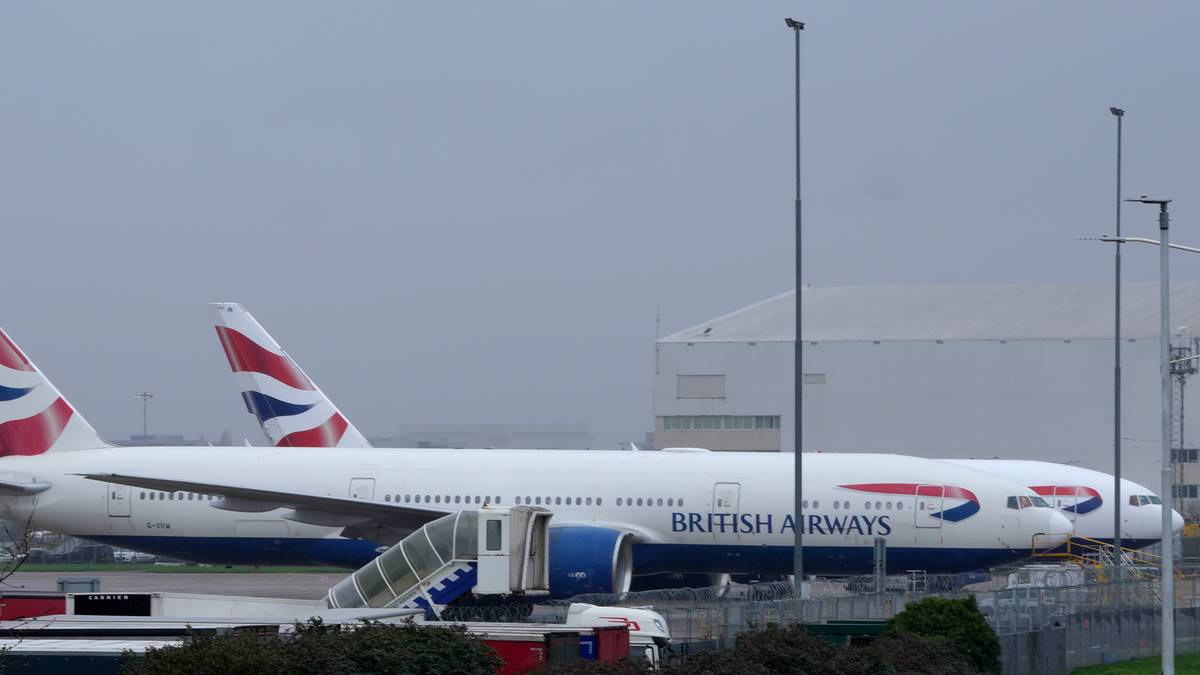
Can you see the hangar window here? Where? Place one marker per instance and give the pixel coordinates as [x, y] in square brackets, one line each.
[699, 386]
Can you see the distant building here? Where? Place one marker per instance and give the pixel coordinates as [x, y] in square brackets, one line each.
[159, 440]
[1011, 371]
[529, 436]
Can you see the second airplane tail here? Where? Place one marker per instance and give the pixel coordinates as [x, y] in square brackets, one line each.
[291, 409]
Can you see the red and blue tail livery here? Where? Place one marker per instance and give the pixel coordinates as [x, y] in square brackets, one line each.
[1077, 499]
[34, 417]
[928, 497]
[292, 411]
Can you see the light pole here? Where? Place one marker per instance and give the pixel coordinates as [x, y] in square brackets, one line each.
[1164, 364]
[798, 444]
[1120, 115]
[145, 396]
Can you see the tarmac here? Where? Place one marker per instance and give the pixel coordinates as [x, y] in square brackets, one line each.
[257, 584]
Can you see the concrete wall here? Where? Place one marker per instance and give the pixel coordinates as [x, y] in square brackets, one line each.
[1017, 399]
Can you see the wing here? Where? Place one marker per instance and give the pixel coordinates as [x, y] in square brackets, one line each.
[383, 522]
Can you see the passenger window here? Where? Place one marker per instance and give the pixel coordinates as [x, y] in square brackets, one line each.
[680, 502]
[557, 501]
[618, 501]
[888, 506]
[387, 498]
[589, 501]
[599, 501]
[639, 501]
[537, 500]
[660, 502]
[670, 501]
[578, 501]
[142, 495]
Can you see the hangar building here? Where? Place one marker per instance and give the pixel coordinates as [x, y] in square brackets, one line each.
[1010, 371]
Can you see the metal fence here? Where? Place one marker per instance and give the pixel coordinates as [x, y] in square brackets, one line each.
[1041, 629]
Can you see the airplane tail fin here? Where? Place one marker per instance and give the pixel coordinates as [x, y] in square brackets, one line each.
[293, 412]
[34, 416]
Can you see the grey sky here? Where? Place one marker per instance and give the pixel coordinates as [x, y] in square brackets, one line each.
[469, 212]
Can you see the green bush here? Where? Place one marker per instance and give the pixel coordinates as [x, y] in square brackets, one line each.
[900, 652]
[957, 621]
[406, 649]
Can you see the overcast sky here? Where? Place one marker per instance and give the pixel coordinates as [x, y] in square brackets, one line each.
[469, 212]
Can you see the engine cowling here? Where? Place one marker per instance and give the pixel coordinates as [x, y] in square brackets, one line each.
[588, 559]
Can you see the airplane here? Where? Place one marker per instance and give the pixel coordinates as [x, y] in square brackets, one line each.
[616, 513]
[1086, 498]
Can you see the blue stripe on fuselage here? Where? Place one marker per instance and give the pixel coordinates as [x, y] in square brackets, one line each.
[647, 558]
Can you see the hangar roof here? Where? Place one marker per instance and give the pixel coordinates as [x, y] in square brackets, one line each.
[971, 312]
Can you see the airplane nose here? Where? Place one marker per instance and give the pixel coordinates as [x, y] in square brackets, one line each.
[1056, 527]
[1176, 522]
[1060, 524]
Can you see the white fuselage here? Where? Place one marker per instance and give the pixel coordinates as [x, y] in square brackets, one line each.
[1086, 498]
[688, 511]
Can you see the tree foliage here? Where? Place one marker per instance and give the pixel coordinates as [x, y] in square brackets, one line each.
[957, 621]
[315, 647]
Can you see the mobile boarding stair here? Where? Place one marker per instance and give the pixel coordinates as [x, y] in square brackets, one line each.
[492, 551]
[1100, 558]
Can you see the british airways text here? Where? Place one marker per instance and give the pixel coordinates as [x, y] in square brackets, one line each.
[765, 523]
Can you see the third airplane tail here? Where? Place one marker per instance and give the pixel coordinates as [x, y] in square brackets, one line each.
[34, 416]
[291, 409]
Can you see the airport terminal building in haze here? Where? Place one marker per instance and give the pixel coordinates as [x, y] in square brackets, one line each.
[1008, 371]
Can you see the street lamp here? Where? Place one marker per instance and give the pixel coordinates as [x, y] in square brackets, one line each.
[145, 396]
[1120, 115]
[798, 443]
[1164, 364]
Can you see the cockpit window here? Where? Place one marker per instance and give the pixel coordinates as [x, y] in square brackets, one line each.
[1025, 502]
[1143, 500]
[1155, 500]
